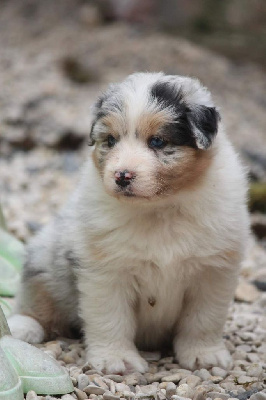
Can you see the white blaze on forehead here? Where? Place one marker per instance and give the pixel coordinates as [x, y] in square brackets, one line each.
[137, 98]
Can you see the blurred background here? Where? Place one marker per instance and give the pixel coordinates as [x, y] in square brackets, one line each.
[57, 56]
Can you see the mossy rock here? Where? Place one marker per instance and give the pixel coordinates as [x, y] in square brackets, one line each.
[257, 197]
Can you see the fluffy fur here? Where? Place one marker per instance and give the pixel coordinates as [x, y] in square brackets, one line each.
[147, 250]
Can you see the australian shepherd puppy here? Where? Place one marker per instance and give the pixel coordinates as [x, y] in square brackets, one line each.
[148, 248]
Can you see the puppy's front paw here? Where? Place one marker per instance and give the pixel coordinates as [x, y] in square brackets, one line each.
[202, 356]
[26, 328]
[117, 362]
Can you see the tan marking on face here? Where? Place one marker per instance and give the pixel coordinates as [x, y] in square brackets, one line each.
[149, 124]
[115, 123]
[188, 170]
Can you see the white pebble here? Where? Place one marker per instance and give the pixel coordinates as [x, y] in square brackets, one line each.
[216, 371]
[31, 395]
[83, 381]
[115, 378]
[170, 390]
[217, 395]
[121, 387]
[253, 357]
[191, 380]
[185, 391]
[93, 389]
[246, 379]
[80, 395]
[203, 374]
[110, 396]
[129, 395]
[254, 370]
[258, 396]
[171, 378]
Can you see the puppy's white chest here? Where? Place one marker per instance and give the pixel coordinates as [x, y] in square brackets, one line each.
[162, 241]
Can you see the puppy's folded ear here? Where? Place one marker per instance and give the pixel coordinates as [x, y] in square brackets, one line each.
[204, 125]
[97, 112]
[91, 141]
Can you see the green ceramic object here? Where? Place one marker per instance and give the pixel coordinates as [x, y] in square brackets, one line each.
[32, 368]
[37, 370]
[10, 383]
[22, 367]
[11, 260]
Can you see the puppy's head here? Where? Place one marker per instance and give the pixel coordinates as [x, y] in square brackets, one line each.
[153, 135]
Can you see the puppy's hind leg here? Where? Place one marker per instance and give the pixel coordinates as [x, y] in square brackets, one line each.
[26, 328]
[35, 310]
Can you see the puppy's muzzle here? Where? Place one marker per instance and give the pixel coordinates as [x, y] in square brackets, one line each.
[123, 178]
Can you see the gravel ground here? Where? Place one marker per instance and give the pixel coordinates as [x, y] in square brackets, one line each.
[52, 67]
[244, 336]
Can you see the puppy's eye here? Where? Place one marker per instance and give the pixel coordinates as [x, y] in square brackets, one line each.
[111, 141]
[156, 142]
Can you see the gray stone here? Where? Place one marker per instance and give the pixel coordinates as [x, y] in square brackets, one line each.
[247, 336]
[253, 357]
[254, 370]
[55, 348]
[246, 292]
[242, 380]
[132, 379]
[121, 387]
[176, 397]
[228, 386]
[145, 396]
[192, 381]
[171, 378]
[129, 395]
[93, 389]
[185, 391]
[262, 348]
[115, 378]
[258, 396]
[31, 395]
[170, 390]
[82, 381]
[239, 355]
[216, 371]
[218, 395]
[216, 379]
[99, 382]
[246, 394]
[203, 374]
[184, 372]
[110, 396]
[80, 395]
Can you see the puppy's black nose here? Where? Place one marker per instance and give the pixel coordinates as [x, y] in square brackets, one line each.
[123, 178]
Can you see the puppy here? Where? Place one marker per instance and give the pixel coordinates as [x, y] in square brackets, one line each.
[147, 250]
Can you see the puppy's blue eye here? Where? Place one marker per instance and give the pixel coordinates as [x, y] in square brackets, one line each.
[156, 142]
[111, 141]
